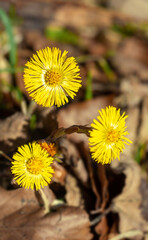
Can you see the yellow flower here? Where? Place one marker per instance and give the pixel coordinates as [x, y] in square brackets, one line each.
[107, 138]
[31, 166]
[50, 77]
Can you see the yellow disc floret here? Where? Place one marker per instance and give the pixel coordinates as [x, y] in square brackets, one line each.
[113, 136]
[52, 78]
[34, 166]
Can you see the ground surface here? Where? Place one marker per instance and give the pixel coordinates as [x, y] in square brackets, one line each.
[87, 200]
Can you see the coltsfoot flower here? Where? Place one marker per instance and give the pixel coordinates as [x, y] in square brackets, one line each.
[49, 147]
[31, 166]
[50, 77]
[107, 138]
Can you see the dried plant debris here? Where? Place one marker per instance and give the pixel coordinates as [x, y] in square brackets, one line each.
[73, 192]
[82, 112]
[73, 160]
[143, 132]
[133, 91]
[60, 173]
[13, 132]
[102, 229]
[26, 220]
[14, 200]
[128, 204]
[47, 121]
[50, 197]
[86, 200]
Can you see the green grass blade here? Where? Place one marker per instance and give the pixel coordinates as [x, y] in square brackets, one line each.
[12, 70]
[8, 26]
[61, 35]
[107, 69]
[88, 93]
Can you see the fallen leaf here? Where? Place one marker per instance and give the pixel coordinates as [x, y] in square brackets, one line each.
[128, 204]
[60, 173]
[5, 78]
[129, 67]
[73, 160]
[84, 17]
[13, 200]
[13, 132]
[143, 131]
[82, 113]
[47, 119]
[127, 46]
[132, 123]
[73, 192]
[22, 218]
[102, 177]
[91, 173]
[102, 228]
[140, 9]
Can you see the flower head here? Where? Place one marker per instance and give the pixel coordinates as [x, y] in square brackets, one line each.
[31, 166]
[49, 147]
[107, 138]
[50, 77]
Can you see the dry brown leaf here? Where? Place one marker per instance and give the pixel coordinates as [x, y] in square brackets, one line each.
[127, 46]
[129, 67]
[5, 77]
[113, 231]
[101, 174]
[102, 228]
[132, 63]
[140, 9]
[22, 218]
[91, 175]
[73, 159]
[82, 113]
[75, 14]
[133, 235]
[47, 119]
[131, 203]
[132, 123]
[83, 17]
[73, 195]
[31, 36]
[13, 132]
[13, 200]
[131, 92]
[60, 173]
[128, 204]
[143, 132]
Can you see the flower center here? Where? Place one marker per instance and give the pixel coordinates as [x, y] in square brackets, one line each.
[34, 166]
[52, 78]
[112, 136]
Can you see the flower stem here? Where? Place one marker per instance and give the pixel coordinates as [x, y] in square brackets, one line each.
[5, 156]
[45, 201]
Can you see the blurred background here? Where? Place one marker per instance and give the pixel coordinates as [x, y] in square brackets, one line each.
[109, 39]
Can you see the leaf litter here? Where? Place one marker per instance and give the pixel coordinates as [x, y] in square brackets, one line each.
[86, 200]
